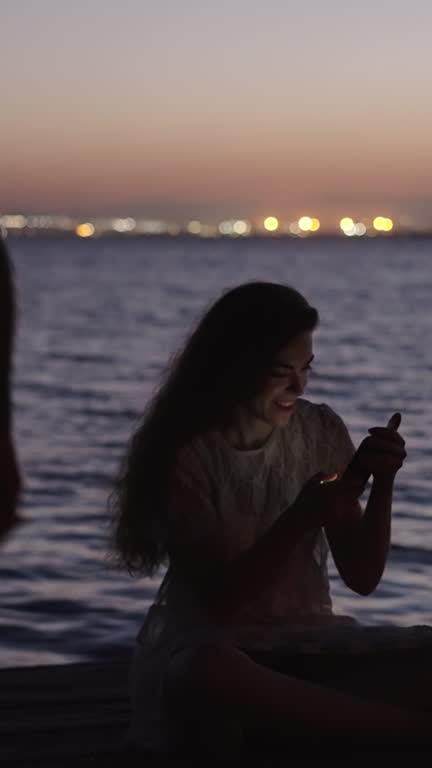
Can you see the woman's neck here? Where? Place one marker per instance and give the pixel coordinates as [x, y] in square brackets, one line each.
[246, 432]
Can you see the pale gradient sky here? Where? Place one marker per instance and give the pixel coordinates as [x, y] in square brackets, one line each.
[186, 107]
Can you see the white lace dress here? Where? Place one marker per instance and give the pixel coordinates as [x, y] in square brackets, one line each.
[242, 493]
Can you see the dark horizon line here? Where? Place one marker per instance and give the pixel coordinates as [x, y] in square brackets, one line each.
[62, 235]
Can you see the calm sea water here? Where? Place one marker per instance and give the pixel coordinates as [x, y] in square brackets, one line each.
[97, 321]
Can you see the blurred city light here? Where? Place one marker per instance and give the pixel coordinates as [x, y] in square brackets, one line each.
[22, 224]
[13, 221]
[194, 227]
[241, 227]
[352, 229]
[85, 230]
[151, 227]
[307, 224]
[382, 224]
[271, 224]
[173, 230]
[226, 228]
[347, 226]
[124, 225]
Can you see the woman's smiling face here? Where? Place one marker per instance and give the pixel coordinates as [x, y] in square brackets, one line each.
[286, 382]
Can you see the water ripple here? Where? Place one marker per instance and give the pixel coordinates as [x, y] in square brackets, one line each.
[98, 320]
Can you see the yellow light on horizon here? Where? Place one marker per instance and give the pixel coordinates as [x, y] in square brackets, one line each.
[382, 224]
[271, 224]
[378, 223]
[346, 224]
[85, 230]
[316, 224]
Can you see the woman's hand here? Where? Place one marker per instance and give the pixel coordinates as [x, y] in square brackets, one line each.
[381, 455]
[325, 498]
[315, 500]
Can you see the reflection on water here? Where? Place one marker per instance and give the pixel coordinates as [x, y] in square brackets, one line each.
[98, 321]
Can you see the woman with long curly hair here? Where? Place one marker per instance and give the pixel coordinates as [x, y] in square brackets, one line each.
[239, 486]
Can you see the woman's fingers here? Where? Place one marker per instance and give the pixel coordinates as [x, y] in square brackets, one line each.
[385, 459]
[394, 421]
[382, 452]
[387, 434]
[378, 455]
[390, 431]
[327, 478]
[378, 443]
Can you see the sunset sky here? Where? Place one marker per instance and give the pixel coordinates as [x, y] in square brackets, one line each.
[189, 108]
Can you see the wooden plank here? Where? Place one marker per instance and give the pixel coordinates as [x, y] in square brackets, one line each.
[72, 714]
[77, 714]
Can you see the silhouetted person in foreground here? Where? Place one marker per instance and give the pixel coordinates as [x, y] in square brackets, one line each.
[9, 472]
[237, 483]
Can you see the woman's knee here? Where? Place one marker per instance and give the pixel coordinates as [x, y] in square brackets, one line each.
[190, 700]
[194, 672]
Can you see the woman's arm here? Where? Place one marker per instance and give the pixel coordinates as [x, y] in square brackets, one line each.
[359, 541]
[226, 585]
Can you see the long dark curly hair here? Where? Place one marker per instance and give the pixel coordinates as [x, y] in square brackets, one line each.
[225, 362]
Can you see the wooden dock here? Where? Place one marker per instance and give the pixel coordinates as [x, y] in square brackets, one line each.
[63, 716]
[77, 714]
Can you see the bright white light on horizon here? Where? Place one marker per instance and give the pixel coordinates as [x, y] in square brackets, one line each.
[347, 226]
[307, 224]
[13, 221]
[241, 227]
[234, 227]
[194, 227]
[123, 225]
[352, 229]
[271, 224]
[226, 228]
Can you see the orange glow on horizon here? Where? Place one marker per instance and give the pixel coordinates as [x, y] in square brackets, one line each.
[85, 230]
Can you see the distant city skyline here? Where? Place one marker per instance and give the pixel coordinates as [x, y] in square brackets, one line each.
[305, 226]
[211, 111]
